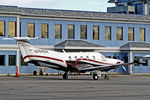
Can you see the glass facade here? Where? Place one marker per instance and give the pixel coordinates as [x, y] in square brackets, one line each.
[12, 29]
[58, 31]
[119, 33]
[70, 31]
[142, 34]
[131, 34]
[83, 31]
[31, 30]
[95, 32]
[2, 28]
[107, 33]
[44, 31]
[12, 60]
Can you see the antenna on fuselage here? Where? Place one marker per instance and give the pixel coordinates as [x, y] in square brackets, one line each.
[63, 51]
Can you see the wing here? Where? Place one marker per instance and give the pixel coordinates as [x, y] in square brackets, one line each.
[102, 68]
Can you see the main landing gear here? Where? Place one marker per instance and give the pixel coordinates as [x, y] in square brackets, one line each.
[97, 75]
[65, 75]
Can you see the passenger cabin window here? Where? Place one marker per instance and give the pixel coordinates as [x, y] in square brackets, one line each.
[93, 57]
[69, 57]
[81, 57]
[87, 57]
[75, 57]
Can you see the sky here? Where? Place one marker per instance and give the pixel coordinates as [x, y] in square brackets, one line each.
[84, 5]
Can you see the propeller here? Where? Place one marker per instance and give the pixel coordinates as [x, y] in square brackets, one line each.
[123, 58]
[124, 69]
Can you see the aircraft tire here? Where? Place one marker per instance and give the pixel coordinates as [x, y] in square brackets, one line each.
[95, 77]
[65, 76]
[106, 77]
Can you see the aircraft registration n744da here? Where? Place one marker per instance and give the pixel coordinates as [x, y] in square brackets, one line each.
[67, 61]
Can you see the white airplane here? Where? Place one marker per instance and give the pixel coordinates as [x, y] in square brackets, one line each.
[68, 62]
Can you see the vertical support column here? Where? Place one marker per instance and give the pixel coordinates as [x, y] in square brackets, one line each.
[145, 9]
[18, 50]
[130, 60]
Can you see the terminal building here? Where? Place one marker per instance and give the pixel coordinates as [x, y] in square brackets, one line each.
[115, 35]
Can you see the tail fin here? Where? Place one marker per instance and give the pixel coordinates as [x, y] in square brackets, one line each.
[25, 47]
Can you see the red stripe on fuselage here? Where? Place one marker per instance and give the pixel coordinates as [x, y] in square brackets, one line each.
[96, 61]
[43, 57]
[76, 62]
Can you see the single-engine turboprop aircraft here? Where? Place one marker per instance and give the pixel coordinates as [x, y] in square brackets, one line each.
[68, 62]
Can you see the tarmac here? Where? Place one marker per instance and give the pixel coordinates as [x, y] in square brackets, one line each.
[118, 87]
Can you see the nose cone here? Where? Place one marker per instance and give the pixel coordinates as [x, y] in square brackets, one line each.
[119, 62]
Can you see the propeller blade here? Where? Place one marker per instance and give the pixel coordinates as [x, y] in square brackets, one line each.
[124, 68]
[115, 70]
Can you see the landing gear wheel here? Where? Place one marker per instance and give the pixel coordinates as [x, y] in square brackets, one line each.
[106, 77]
[95, 77]
[65, 76]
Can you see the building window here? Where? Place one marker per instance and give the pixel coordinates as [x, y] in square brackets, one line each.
[12, 60]
[58, 31]
[22, 62]
[95, 32]
[119, 33]
[12, 29]
[2, 28]
[145, 62]
[138, 58]
[31, 30]
[70, 31]
[2, 60]
[131, 34]
[44, 31]
[142, 34]
[83, 31]
[107, 33]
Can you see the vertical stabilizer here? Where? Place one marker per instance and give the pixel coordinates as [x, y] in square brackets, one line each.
[25, 47]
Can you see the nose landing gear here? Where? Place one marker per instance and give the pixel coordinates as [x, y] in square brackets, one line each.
[65, 75]
[97, 75]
